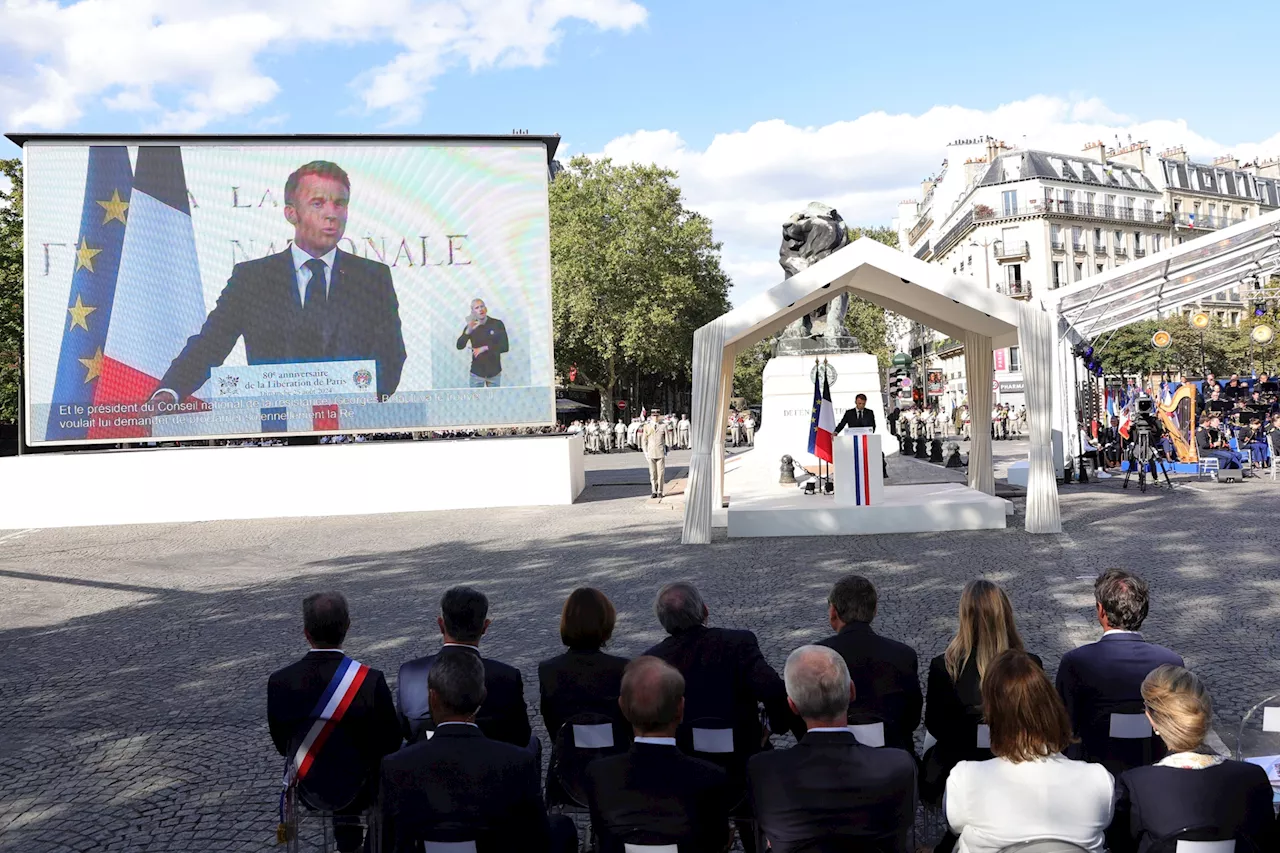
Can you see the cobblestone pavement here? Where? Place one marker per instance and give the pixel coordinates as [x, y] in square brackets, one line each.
[136, 658]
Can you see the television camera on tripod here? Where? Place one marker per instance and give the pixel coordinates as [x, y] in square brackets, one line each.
[1146, 431]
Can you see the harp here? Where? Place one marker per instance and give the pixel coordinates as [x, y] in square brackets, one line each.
[1179, 420]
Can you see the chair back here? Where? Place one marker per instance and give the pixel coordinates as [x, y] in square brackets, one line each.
[582, 739]
[1201, 839]
[1120, 738]
[1045, 845]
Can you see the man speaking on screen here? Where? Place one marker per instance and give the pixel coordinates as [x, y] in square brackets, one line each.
[310, 303]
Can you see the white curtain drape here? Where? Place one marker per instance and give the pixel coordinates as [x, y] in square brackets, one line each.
[706, 433]
[1037, 335]
[979, 368]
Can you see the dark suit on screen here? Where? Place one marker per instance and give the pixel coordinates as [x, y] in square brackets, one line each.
[504, 716]
[656, 794]
[1105, 678]
[580, 681]
[854, 418]
[952, 715]
[831, 793]
[262, 304]
[886, 682]
[462, 786]
[1233, 797]
[346, 767]
[725, 676]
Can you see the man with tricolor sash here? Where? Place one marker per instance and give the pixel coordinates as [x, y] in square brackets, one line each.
[333, 720]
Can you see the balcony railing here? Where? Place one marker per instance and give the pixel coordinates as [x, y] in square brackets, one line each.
[923, 250]
[1139, 253]
[1015, 289]
[1122, 252]
[1053, 207]
[1012, 249]
[1057, 245]
[1078, 248]
[1209, 223]
[954, 234]
[1099, 248]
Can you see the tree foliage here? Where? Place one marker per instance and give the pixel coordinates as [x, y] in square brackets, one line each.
[866, 320]
[1227, 349]
[10, 291]
[748, 372]
[633, 273]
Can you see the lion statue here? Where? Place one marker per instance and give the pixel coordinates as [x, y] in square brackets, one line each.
[808, 237]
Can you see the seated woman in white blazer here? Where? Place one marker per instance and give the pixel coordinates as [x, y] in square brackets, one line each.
[1029, 790]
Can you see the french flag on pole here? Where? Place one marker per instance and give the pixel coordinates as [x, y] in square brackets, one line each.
[822, 423]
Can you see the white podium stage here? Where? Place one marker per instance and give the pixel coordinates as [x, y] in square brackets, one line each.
[147, 486]
[862, 504]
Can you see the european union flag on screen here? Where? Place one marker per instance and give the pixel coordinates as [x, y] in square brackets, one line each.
[107, 188]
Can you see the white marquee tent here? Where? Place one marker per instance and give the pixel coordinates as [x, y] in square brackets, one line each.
[923, 292]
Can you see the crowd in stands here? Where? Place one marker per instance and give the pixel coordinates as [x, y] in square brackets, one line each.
[673, 749]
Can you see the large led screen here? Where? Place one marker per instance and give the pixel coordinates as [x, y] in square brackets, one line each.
[238, 287]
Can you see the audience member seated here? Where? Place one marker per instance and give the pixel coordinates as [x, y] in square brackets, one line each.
[1212, 443]
[884, 671]
[829, 792]
[1101, 683]
[953, 714]
[1192, 786]
[1029, 790]
[726, 676]
[463, 620]
[655, 794]
[461, 786]
[338, 771]
[583, 679]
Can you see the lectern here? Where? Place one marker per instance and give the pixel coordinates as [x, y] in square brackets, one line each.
[859, 469]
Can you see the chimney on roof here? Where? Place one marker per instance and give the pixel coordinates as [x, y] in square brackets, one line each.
[1178, 153]
[993, 149]
[1097, 150]
[1268, 168]
[1133, 154]
[1227, 162]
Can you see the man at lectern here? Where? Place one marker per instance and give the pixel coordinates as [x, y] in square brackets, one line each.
[862, 417]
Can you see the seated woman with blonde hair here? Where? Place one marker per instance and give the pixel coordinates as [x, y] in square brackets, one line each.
[1030, 790]
[1192, 788]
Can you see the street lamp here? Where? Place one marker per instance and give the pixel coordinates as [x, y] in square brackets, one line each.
[1200, 321]
[985, 245]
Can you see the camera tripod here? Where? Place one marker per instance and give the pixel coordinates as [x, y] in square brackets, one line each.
[1143, 457]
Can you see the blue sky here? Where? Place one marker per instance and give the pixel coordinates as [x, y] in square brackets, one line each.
[762, 107]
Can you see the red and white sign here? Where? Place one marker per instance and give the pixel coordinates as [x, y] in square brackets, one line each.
[995, 384]
[1000, 359]
[622, 404]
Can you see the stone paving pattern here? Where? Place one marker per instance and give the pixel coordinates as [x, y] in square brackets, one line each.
[136, 658]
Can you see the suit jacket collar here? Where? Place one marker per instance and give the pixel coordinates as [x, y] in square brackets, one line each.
[845, 738]
[654, 749]
[1130, 637]
[448, 731]
[857, 628]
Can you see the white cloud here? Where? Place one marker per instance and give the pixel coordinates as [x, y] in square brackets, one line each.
[185, 64]
[748, 182]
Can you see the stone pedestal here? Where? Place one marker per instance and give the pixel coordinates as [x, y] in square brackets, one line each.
[788, 401]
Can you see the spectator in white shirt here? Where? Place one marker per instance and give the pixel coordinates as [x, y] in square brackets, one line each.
[1029, 790]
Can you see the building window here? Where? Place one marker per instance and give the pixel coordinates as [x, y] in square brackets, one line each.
[1157, 240]
[1015, 360]
[1235, 318]
[1177, 205]
[1079, 271]
[1119, 240]
[962, 266]
[1101, 268]
[1057, 273]
[1137, 241]
[1010, 202]
[1013, 274]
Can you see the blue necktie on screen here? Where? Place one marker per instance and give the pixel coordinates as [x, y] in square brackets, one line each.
[314, 310]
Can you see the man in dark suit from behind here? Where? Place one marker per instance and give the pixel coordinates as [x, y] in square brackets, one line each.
[312, 302]
[459, 785]
[344, 772]
[655, 794]
[829, 792]
[463, 620]
[884, 671]
[863, 418]
[1104, 678]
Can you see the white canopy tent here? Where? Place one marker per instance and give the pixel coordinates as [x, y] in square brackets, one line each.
[923, 292]
[1087, 311]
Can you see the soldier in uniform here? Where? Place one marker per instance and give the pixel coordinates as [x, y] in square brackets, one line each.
[683, 430]
[606, 436]
[655, 452]
[749, 424]
[620, 435]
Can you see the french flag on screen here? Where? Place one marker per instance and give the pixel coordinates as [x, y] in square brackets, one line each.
[135, 295]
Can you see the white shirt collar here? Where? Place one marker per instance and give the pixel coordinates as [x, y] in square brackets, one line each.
[1118, 631]
[325, 651]
[829, 729]
[475, 649]
[657, 741]
[303, 275]
[456, 723]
